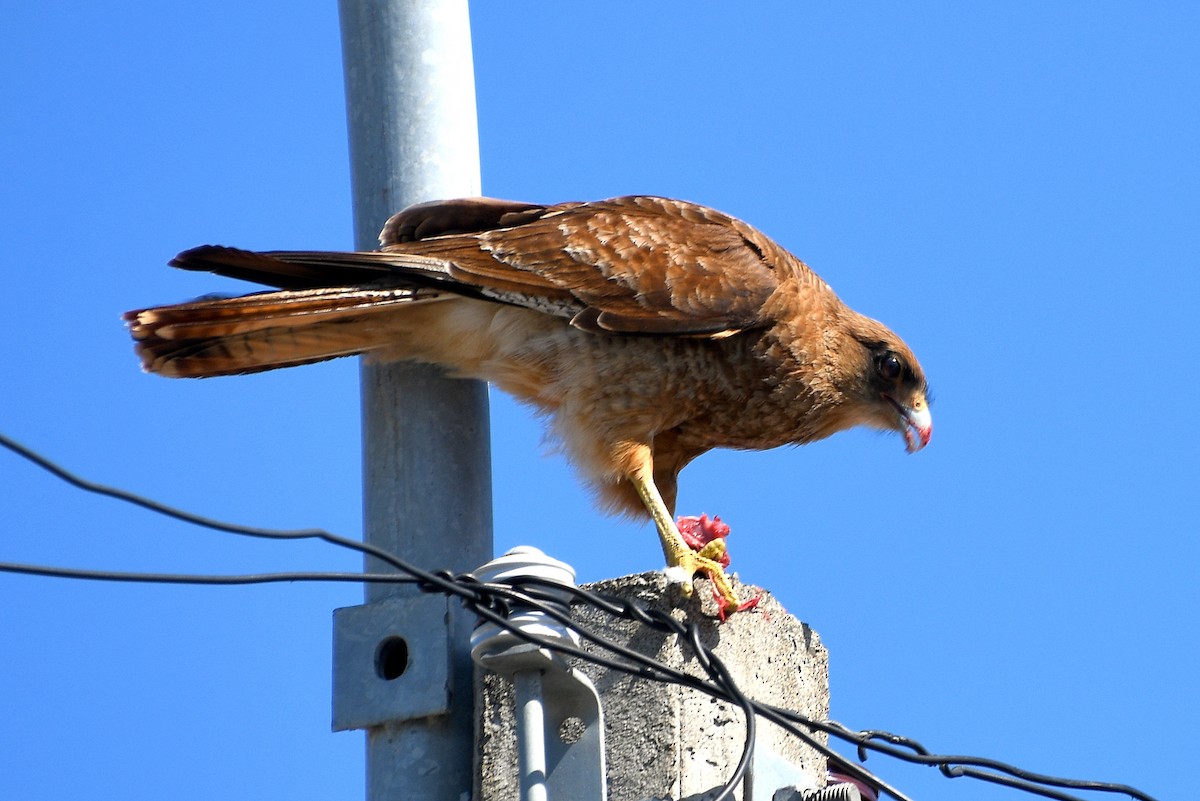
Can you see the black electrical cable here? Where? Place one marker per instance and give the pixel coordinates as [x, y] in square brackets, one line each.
[951, 766]
[184, 578]
[716, 670]
[443, 582]
[652, 669]
[492, 602]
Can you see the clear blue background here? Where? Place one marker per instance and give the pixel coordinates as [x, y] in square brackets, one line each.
[1013, 187]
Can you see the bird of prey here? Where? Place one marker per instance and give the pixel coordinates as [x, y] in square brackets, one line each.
[649, 330]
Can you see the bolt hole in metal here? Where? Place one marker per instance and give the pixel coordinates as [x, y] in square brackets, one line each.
[571, 730]
[391, 658]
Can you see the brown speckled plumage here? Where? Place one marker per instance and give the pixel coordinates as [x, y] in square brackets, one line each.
[650, 330]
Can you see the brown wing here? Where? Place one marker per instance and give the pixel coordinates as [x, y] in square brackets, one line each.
[631, 264]
[639, 265]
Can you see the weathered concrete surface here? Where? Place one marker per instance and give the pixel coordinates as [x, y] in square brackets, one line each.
[669, 742]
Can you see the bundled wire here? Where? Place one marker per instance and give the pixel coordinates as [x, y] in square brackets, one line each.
[493, 602]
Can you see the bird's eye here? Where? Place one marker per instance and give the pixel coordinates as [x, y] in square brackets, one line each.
[890, 367]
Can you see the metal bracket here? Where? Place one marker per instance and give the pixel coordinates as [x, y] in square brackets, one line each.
[560, 725]
[391, 661]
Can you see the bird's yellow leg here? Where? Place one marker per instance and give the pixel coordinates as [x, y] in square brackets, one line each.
[678, 553]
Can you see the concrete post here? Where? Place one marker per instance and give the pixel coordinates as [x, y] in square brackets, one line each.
[668, 742]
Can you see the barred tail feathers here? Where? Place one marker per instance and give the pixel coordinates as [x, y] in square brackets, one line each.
[267, 330]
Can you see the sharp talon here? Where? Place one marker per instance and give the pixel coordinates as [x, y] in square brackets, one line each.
[705, 537]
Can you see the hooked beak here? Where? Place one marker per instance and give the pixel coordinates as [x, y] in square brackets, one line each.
[915, 422]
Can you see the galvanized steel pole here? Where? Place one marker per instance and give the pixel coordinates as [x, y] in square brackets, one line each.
[410, 97]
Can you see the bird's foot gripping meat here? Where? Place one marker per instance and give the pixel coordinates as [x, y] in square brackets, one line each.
[705, 537]
[702, 550]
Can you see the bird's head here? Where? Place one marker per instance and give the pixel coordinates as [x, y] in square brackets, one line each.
[885, 385]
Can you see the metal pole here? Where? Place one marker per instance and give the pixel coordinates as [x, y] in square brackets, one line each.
[410, 98]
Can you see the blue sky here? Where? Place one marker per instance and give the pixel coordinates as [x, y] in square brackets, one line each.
[1014, 188]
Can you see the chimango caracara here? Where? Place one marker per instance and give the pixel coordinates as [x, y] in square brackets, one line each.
[649, 330]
